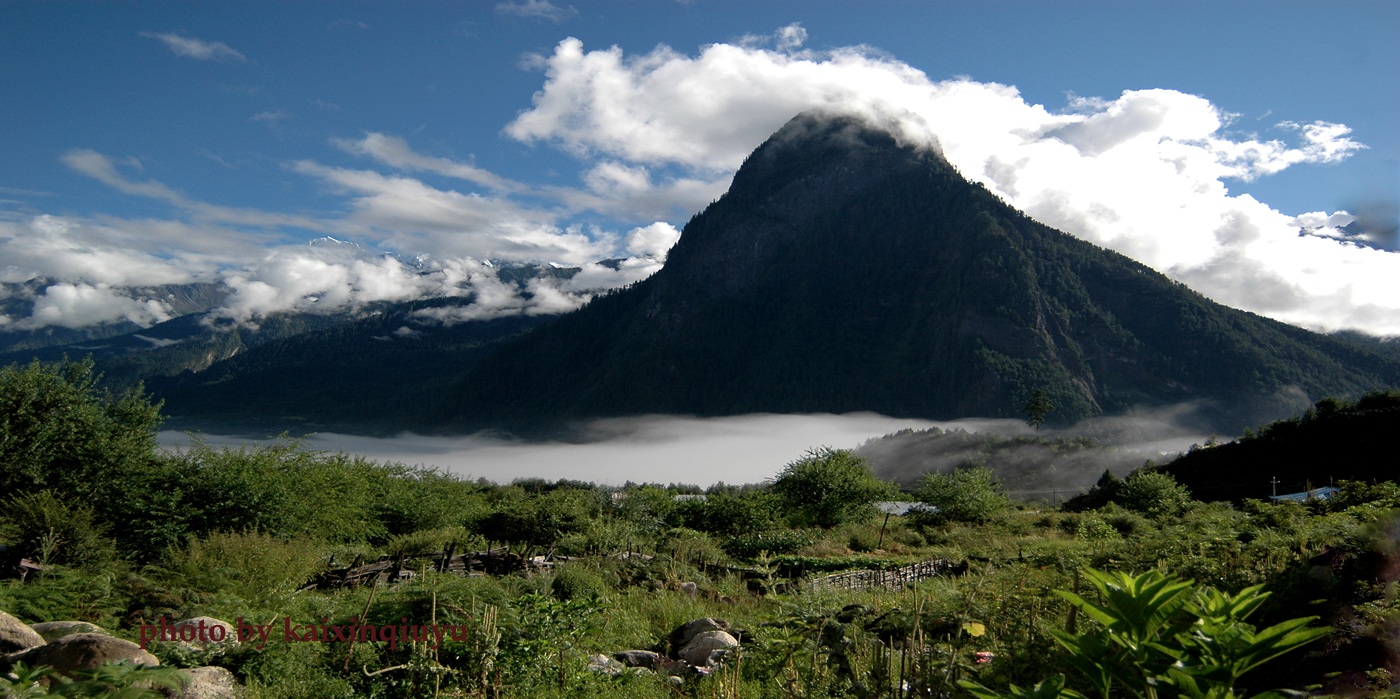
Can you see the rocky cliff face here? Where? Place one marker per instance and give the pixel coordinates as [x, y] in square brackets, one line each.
[844, 271]
[805, 174]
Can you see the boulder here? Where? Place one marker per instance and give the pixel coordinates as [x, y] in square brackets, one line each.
[698, 651]
[16, 636]
[605, 665]
[684, 633]
[676, 668]
[638, 658]
[690, 589]
[718, 657]
[206, 623]
[54, 630]
[83, 651]
[207, 683]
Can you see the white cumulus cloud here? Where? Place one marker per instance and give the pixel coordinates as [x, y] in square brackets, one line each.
[79, 305]
[411, 216]
[1145, 173]
[660, 134]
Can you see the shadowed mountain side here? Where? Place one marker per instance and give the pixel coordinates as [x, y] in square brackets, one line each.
[357, 376]
[1337, 440]
[17, 302]
[378, 368]
[846, 272]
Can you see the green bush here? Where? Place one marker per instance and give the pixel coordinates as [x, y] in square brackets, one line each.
[573, 582]
[542, 520]
[48, 529]
[434, 540]
[648, 508]
[59, 431]
[1127, 523]
[288, 491]
[727, 514]
[1093, 528]
[1105, 491]
[255, 566]
[1154, 494]
[970, 495]
[828, 487]
[774, 542]
[688, 545]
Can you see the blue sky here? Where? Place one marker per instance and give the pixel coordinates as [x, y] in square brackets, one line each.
[149, 143]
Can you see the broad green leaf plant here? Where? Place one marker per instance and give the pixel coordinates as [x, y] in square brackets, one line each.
[1160, 637]
[119, 680]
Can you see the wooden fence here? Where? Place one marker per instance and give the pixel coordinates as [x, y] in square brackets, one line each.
[892, 579]
[501, 561]
[402, 566]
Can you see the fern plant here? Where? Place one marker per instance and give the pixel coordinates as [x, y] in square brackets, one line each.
[1160, 637]
[119, 680]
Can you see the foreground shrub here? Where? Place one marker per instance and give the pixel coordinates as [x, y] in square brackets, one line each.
[970, 495]
[829, 487]
[48, 529]
[775, 542]
[255, 566]
[575, 582]
[1154, 494]
[1161, 634]
[729, 515]
[59, 431]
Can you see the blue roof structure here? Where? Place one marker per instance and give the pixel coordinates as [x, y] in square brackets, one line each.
[1314, 494]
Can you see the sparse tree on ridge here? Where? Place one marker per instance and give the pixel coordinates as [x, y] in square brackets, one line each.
[1037, 408]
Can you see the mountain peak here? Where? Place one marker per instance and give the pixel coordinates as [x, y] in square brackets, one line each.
[846, 270]
[805, 172]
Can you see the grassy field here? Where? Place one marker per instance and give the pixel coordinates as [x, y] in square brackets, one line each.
[128, 537]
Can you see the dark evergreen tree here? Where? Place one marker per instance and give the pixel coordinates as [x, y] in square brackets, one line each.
[1037, 408]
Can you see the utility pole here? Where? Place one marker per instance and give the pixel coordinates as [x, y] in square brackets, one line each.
[1274, 480]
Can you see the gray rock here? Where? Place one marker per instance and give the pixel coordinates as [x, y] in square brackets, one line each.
[675, 668]
[83, 651]
[638, 658]
[207, 683]
[690, 589]
[683, 634]
[229, 635]
[54, 630]
[698, 651]
[605, 665]
[16, 636]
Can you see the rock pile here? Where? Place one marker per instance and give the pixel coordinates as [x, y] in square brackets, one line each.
[696, 648]
[71, 646]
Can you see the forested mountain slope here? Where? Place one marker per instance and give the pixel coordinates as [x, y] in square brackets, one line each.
[844, 271]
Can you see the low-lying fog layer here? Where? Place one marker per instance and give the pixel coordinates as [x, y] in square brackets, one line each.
[670, 449]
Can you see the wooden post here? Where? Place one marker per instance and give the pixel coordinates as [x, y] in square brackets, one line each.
[881, 543]
[447, 557]
[398, 565]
